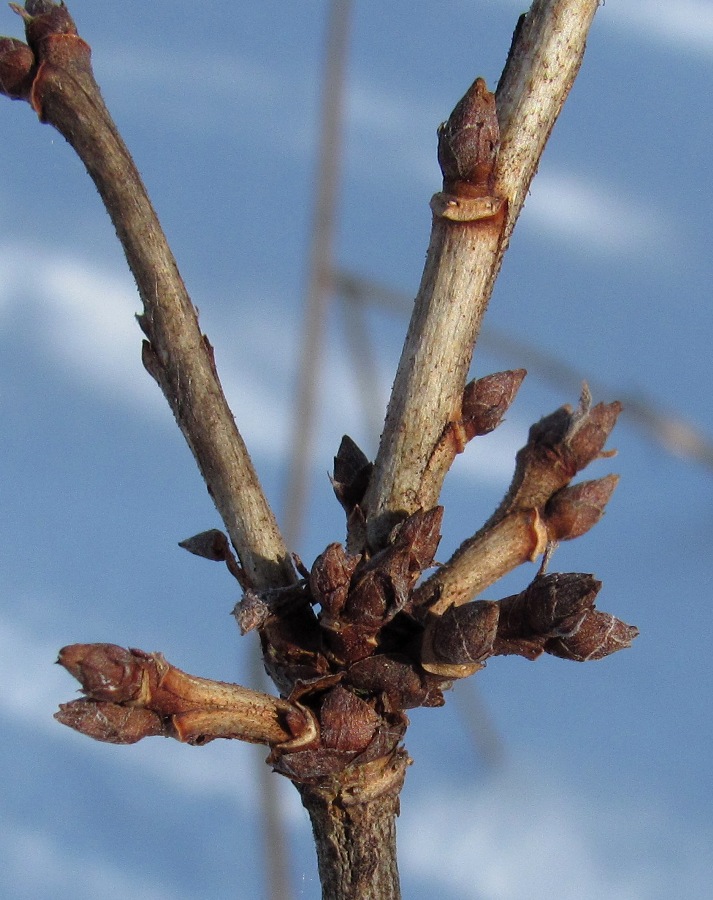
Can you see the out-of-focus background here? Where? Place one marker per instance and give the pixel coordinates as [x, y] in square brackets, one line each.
[537, 779]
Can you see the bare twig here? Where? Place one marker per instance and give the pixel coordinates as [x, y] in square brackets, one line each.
[117, 682]
[463, 261]
[64, 93]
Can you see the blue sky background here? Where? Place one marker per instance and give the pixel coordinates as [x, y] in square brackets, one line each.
[606, 785]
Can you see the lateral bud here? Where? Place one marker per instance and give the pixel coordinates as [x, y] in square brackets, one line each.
[486, 401]
[545, 603]
[457, 643]
[592, 636]
[573, 510]
[352, 471]
[17, 63]
[110, 722]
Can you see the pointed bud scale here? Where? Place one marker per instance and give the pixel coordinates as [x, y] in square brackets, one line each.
[347, 723]
[551, 599]
[419, 535]
[397, 678]
[330, 579]
[212, 544]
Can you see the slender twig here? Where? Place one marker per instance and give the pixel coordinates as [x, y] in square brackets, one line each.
[463, 261]
[118, 683]
[65, 94]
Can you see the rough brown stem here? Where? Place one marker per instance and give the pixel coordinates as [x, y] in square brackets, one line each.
[355, 833]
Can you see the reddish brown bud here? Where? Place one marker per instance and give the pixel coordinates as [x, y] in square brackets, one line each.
[418, 536]
[212, 544]
[572, 511]
[461, 639]
[110, 722]
[468, 142]
[346, 722]
[60, 54]
[105, 671]
[593, 636]
[551, 599]
[558, 446]
[397, 678]
[486, 401]
[17, 63]
[590, 430]
[330, 579]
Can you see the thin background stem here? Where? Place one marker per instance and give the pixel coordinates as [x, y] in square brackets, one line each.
[320, 268]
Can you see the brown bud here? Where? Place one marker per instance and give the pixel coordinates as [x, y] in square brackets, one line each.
[486, 401]
[376, 595]
[589, 432]
[382, 587]
[558, 446]
[419, 535]
[594, 636]
[17, 63]
[352, 471]
[211, 544]
[573, 510]
[552, 599]
[105, 671]
[396, 677]
[347, 723]
[110, 722]
[330, 579]
[468, 142]
[462, 637]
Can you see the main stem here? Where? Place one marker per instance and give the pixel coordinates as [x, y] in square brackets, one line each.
[356, 845]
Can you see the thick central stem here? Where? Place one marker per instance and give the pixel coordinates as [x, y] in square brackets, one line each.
[353, 819]
[356, 845]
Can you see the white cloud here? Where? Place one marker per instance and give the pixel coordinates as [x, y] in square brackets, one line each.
[83, 320]
[682, 24]
[31, 683]
[36, 864]
[592, 218]
[685, 24]
[522, 835]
